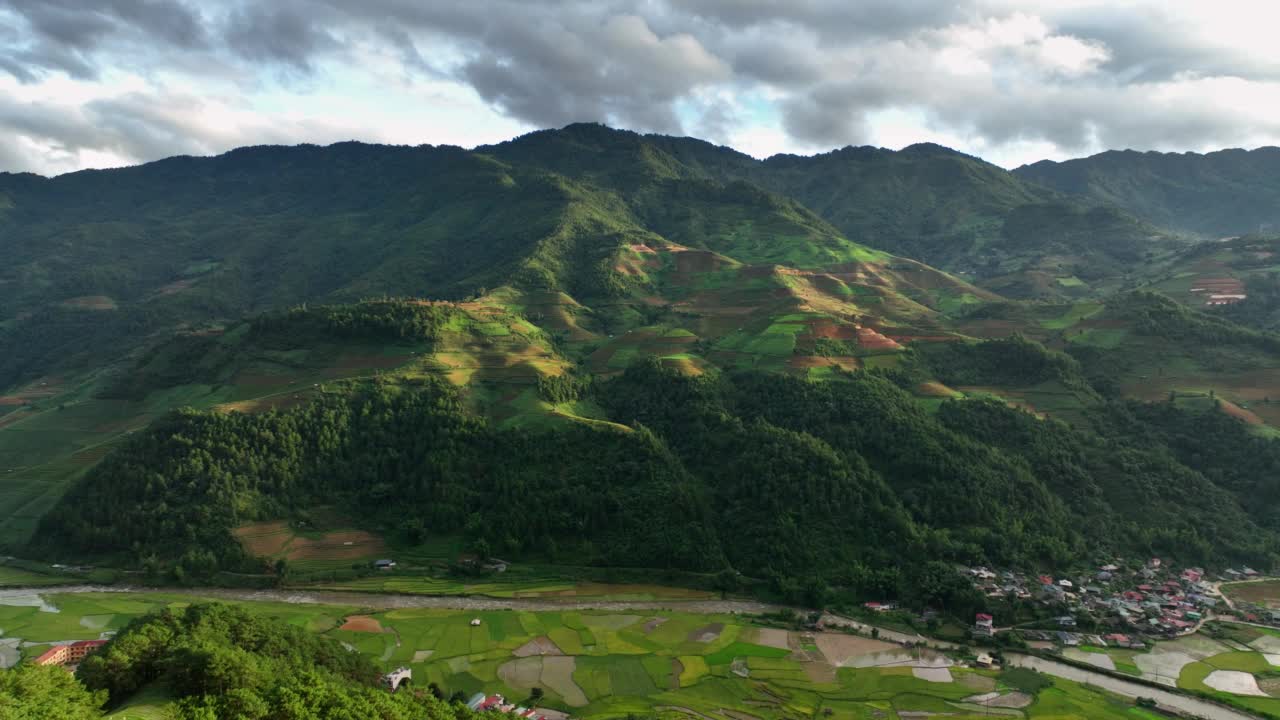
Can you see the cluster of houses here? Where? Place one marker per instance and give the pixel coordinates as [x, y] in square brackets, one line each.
[69, 655]
[481, 702]
[1153, 600]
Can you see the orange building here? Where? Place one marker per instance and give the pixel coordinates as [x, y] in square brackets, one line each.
[69, 654]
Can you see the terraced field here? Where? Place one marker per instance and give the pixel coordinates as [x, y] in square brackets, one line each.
[598, 664]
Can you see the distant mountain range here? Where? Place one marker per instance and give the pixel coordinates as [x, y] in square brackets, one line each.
[1215, 195]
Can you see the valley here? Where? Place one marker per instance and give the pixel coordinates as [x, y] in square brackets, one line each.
[694, 661]
[623, 398]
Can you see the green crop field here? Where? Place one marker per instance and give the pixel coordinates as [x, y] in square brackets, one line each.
[591, 664]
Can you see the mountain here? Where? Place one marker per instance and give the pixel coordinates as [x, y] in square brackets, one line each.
[595, 348]
[950, 210]
[1214, 195]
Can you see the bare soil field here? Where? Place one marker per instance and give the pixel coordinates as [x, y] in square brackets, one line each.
[1261, 593]
[839, 648]
[933, 674]
[771, 637]
[265, 538]
[362, 623]
[707, 633]
[349, 545]
[538, 646]
[1234, 682]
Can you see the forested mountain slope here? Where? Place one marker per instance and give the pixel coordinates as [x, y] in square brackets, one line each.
[1217, 194]
[97, 261]
[643, 352]
[926, 202]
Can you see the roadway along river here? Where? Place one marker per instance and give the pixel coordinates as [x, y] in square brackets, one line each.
[1184, 704]
[377, 601]
[392, 601]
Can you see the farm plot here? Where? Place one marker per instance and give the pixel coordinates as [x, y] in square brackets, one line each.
[674, 664]
[308, 551]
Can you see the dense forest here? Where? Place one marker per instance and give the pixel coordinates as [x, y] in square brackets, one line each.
[850, 483]
[219, 662]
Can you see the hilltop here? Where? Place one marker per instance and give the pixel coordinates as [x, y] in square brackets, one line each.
[927, 202]
[1214, 195]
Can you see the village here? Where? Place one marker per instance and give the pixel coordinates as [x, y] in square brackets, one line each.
[1115, 606]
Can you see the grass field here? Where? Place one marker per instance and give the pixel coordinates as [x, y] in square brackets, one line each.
[14, 577]
[597, 664]
[1265, 593]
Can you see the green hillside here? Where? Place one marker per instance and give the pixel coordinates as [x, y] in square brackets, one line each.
[1238, 279]
[1215, 195]
[633, 349]
[927, 202]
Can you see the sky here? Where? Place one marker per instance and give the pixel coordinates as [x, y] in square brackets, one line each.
[104, 83]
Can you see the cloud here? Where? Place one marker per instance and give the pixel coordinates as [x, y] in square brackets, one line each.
[1004, 77]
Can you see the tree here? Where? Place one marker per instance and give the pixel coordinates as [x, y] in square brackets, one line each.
[536, 693]
[40, 692]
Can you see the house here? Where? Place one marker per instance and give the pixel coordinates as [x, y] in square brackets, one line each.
[1066, 621]
[1192, 575]
[985, 660]
[475, 702]
[1068, 639]
[397, 678]
[1065, 583]
[69, 655]
[1109, 568]
[1250, 572]
[984, 625]
[384, 564]
[1117, 639]
[475, 622]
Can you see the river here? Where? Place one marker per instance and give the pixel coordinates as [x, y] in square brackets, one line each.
[393, 601]
[387, 601]
[1184, 704]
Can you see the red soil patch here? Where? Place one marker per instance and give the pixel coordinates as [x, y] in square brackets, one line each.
[934, 389]
[873, 340]
[1239, 413]
[362, 623]
[831, 330]
[698, 261]
[13, 400]
[642, 249]
[804, 362]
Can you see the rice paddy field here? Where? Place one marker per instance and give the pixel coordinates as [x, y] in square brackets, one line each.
[1236, 664]
[594, 664]
[1266, 592]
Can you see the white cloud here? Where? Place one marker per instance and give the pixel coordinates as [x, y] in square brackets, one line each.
[1006, 79]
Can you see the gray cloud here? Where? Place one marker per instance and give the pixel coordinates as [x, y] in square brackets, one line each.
[997, 71]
